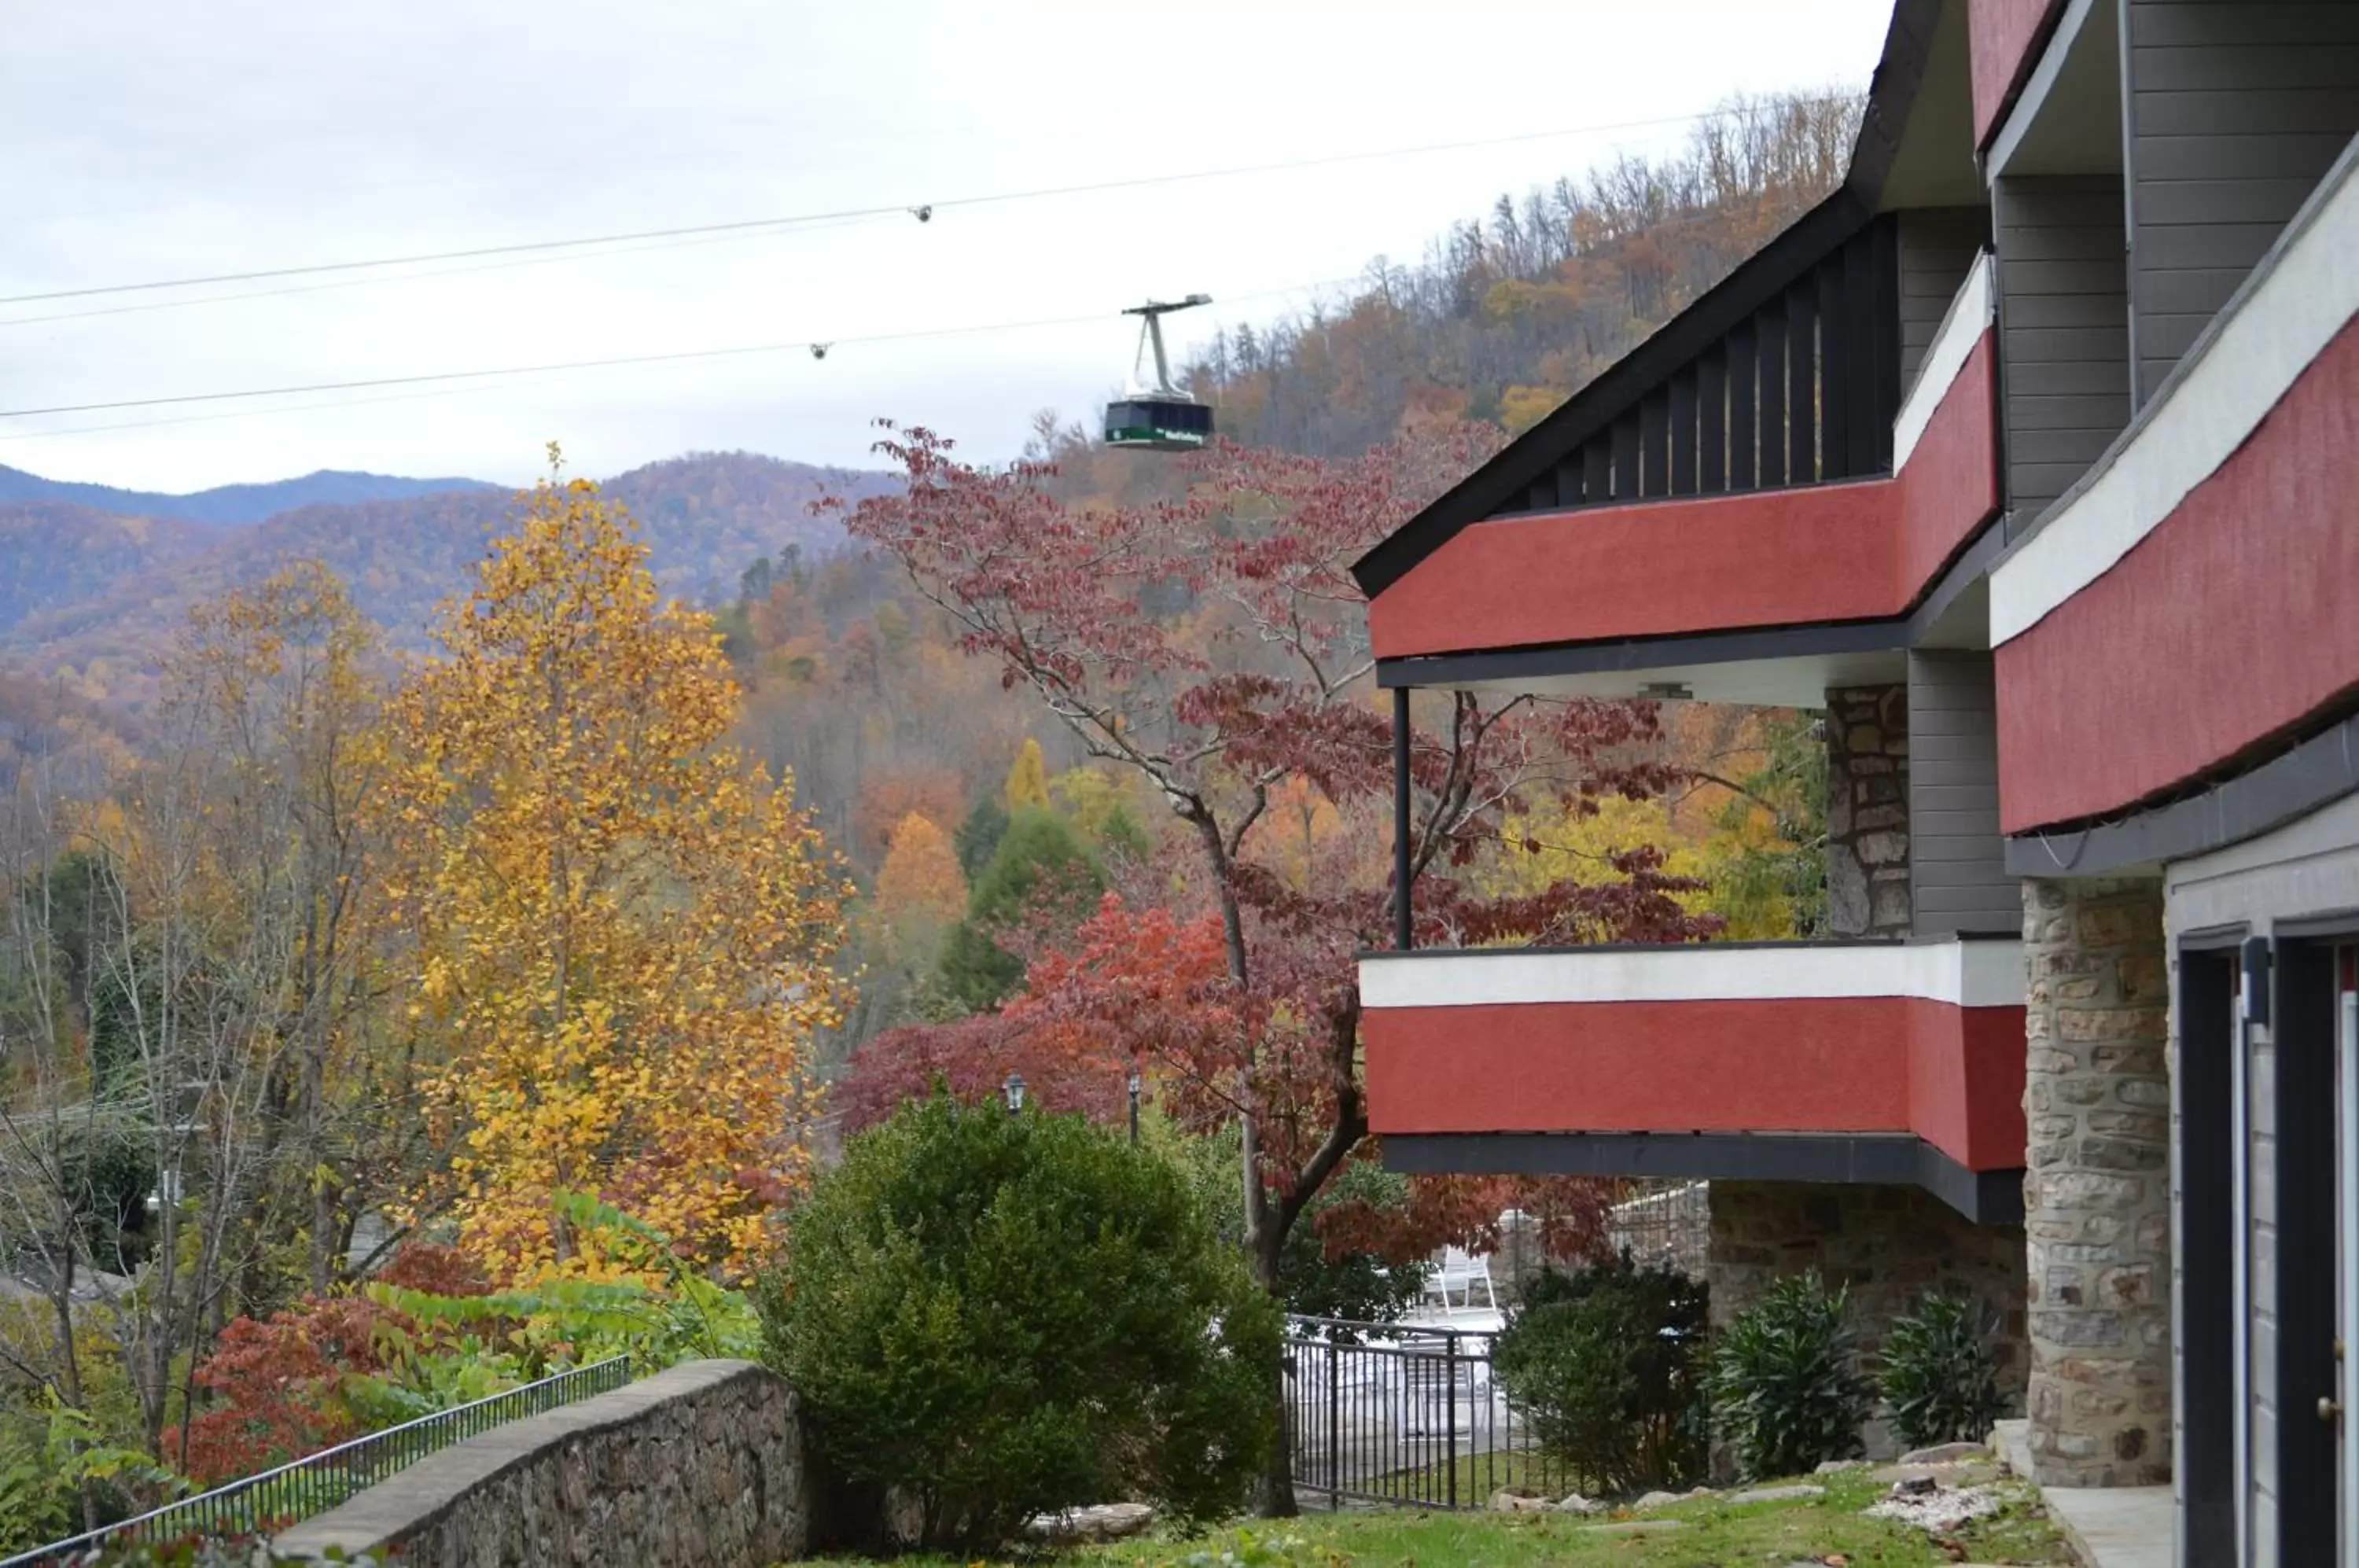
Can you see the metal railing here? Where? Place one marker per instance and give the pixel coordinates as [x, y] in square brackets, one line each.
[295, 1491]
[1405, 1413]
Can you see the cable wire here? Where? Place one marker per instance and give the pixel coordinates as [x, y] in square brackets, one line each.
[754, 225]
[566, 366]
[510, 264]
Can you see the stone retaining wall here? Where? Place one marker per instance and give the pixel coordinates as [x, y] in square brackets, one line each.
[1889, 1245]
[701, 1464]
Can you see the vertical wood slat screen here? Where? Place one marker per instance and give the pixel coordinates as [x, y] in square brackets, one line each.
[1802, 391]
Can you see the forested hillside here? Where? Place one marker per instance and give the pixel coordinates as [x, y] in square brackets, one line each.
[1508, 313]
[55, 553]
[95, 599]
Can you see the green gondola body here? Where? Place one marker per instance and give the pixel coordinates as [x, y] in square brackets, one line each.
[1159, 424]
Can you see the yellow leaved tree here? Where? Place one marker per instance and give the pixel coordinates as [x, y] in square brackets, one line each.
[921, 891]
[1027, 780]
[618, 931]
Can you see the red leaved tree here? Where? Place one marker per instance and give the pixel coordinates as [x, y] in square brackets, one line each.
[275, 1384]
[1216, 646]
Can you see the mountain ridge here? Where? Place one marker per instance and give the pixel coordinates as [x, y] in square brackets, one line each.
[92, 599]
[228, 504]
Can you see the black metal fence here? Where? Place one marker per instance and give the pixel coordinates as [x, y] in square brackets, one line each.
[276, 1498]
[1404, 1415]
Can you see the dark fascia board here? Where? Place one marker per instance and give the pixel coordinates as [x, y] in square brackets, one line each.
[1448, 670]
[1743, 646]
[1986, 1197]
[2319, 771]
[1891, 92]
[1907, 46]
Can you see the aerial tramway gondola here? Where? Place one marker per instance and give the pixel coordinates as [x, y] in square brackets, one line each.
[1160, 418]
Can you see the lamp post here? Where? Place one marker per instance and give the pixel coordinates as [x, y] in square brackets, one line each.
[1014, 1092]
[1134, 1103]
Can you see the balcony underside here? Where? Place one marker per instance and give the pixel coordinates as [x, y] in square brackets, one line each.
[1986, 1197]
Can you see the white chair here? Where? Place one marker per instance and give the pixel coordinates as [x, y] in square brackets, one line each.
[1460, 1272]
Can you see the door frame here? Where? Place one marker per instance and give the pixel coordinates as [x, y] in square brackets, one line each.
[2306, 1032]
[2208, 1080]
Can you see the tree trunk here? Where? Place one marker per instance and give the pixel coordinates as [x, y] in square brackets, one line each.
[1266, 1244]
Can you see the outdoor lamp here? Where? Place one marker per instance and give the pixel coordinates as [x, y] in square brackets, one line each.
[1014, 1092]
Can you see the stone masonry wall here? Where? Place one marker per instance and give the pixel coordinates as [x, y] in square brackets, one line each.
[1868, 811]
[1889, 1245]
[2096, 1189]
[701, 1464]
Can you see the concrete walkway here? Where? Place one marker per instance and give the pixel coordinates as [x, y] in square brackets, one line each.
[2109, 1527]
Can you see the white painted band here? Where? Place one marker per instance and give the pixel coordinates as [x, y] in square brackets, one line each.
[1971, 310]
[1976, 974]
[2300, 298]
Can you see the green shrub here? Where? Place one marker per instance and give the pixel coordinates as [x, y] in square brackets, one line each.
[1787, 1391]
[1000, 1316]
[1352, 1285]
[1606, 1364]
[49, 1454]
[1938, 1375]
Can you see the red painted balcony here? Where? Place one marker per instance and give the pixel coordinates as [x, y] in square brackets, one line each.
[1847, 550]
[1804, 458]
[1882, 1061]
[2198, 581]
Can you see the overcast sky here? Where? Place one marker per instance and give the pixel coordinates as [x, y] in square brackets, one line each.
[146, 139]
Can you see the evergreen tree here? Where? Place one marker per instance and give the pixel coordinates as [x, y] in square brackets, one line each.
[1039, 867]
[976, 838]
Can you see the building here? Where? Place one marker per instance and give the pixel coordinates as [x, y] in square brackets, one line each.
[2031, 456]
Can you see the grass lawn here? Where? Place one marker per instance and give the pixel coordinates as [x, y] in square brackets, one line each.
[1711, 1534]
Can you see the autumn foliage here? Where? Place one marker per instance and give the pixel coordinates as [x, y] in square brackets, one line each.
[279, 1383]
[617, 931]
[921, 876]
[1211, 646]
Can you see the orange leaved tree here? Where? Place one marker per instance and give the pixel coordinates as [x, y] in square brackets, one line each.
[617, 931]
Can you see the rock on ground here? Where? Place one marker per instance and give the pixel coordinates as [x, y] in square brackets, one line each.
[1106, 1521]
[1775, 1495]
[1939, 1512]
[1945, 1453]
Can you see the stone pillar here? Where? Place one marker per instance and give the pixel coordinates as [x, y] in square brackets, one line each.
[2096, 1192]
[1868, 811]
